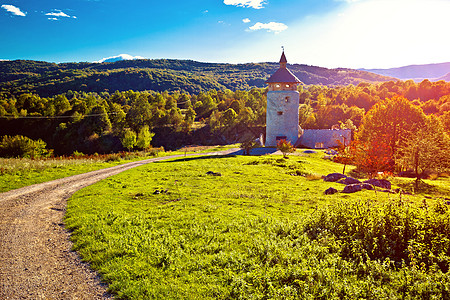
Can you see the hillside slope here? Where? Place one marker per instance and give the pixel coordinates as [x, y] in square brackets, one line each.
[48, 79]
[415, 72]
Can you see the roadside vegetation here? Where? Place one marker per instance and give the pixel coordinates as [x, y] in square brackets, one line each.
[245, 227]
[19, 172]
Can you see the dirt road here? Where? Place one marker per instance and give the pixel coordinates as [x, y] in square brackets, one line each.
[36, 260]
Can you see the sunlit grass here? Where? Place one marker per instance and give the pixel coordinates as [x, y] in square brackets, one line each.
[169, 230]
[20, 172]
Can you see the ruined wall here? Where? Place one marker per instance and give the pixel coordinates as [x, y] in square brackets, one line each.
[282, 116]
[324, 138]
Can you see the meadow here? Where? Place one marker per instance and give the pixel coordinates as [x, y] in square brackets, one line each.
[19, 172]
[246, 227]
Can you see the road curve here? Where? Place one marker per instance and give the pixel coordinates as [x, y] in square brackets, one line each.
[36, 260]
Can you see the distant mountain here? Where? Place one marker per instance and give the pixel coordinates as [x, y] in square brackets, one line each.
[47, 79]
[446, 77]
[118, 58]
[433, 72]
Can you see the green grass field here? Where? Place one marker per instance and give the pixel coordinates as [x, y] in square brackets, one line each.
[262, 230]
[19, 172]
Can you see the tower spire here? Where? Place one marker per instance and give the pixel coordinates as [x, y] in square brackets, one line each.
[283, 60]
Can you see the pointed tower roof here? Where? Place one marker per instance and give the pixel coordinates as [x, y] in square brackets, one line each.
[283, 58]
[283, 74]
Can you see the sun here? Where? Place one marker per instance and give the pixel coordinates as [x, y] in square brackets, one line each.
[377, 33]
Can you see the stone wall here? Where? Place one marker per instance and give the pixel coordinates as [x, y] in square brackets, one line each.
[282, 116]
[324, 138]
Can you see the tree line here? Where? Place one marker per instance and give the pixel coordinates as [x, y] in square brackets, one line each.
[92, 122]
[98, 122]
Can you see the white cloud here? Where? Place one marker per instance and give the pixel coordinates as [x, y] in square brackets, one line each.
[246, 20]
[256, 4]
[270, 27]
[53, 19]
[118, 58]
[14, 10]
[58, 14]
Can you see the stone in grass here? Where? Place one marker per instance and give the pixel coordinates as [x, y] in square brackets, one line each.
[333, 177]
[349, 180]
[381, 183]
[213, 173]
[156, 192]
[352, 188]
[366, 186]
[331, 191]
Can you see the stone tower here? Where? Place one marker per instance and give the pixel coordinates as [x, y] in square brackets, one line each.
[282, 106]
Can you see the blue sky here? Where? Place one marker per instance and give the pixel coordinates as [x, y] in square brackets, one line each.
[328, 33]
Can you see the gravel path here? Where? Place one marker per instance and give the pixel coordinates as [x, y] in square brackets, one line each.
[36, 260]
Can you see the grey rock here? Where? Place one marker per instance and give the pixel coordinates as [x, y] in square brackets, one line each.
[333, 177]
[349, 180]
[331, 191]
[366, 186]
[213, 173]
[309, 151]
[381, 183]
[352, 188]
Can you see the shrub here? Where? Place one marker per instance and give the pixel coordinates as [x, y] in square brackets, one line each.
[155, 151]
[285, 147]
[77, 154]
[112, 157]
[22, 146]
[399, 231]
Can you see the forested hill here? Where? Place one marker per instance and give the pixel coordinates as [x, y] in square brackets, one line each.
[49, 79]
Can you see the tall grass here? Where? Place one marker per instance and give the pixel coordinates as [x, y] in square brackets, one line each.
[19, 172]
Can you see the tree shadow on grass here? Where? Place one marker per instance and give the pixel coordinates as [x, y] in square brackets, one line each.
[257, 151]
[421, 188]
[192, 158]
[254, 152]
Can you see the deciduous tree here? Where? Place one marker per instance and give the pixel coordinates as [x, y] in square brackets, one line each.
[390, 121]
[144, 138]
[129, 139]
[425, 150]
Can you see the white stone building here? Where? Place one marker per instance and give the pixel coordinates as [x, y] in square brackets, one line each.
[282, 106]
[282, 122]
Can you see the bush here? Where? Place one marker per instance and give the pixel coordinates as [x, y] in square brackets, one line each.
[285, 147]
[22, 146]
[112, 157]
[77, 154]
[398, 231]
